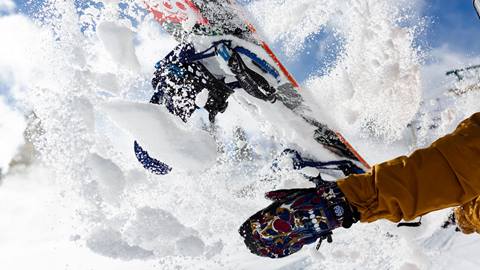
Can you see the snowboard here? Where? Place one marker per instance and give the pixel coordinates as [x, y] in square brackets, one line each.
[218, 42]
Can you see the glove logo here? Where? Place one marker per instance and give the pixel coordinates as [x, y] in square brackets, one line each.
[339, 211]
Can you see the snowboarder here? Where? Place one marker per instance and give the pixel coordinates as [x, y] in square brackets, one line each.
[446, 174]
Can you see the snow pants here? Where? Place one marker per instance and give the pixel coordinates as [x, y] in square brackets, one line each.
[446, 174]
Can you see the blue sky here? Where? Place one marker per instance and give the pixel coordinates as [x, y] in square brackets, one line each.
[454, 23]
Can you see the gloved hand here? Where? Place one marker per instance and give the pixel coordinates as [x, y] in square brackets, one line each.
[297, 217]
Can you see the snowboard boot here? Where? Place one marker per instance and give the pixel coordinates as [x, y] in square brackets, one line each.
[297, 217]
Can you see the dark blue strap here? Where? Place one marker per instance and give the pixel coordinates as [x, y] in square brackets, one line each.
[260, 62]
[153, 165]
[191, 55]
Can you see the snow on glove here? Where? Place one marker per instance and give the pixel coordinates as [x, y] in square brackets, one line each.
[297, 217]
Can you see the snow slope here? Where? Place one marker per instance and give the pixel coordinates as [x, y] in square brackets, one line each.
[86, 203]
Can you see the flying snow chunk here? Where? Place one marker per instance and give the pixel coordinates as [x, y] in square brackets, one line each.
[118, 41]
[202, 98]
[109, 243]
[110, 178]
[163, 135]
[160, 231]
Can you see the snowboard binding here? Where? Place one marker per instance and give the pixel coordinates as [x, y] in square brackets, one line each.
[345, 167]
[297, 217]
[181, 76]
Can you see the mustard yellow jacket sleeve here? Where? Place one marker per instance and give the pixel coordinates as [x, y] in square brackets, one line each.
[443, 175]
[468, 216]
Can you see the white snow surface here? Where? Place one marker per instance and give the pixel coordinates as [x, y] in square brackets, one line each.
[86, 203]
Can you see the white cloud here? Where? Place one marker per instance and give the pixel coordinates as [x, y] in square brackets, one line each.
[441, 60]
[7, 5]
[21, 45]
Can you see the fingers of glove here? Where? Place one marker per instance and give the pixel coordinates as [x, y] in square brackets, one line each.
[277, 195]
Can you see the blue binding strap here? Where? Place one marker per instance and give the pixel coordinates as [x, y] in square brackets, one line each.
[260, 62]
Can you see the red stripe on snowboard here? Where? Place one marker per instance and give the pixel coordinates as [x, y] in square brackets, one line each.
[354, 152]
[273, 56]
[175, 11]
[280, 65]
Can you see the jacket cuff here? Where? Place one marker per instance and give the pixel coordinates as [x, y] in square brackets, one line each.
[360, 192]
